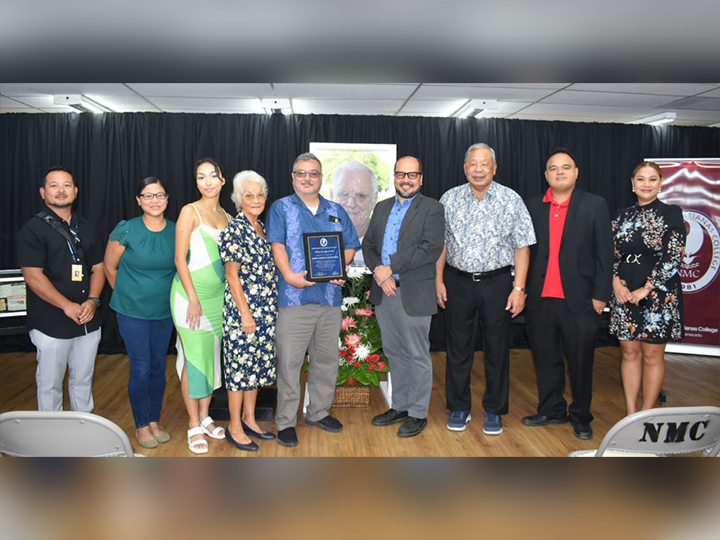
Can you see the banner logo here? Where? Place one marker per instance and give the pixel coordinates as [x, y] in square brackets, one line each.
[701, 264]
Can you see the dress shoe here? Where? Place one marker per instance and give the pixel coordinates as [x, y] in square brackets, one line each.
[390, 417]
[543, 420]
[251, 447]
[252, 433]
[583, 431]
[411, 427]
[288, 437]
[328, 423]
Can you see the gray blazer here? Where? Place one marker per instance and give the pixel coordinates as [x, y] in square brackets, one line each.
[421, 241]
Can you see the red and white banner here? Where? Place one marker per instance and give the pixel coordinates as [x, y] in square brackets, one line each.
[694, 185]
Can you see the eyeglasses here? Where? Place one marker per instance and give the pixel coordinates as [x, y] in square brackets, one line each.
[312, 174]
[151, 196]
[411, 175]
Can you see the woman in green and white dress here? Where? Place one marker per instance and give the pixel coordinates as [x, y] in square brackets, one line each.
[197, 302]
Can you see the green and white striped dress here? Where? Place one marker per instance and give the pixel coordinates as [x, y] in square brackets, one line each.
[199, 350]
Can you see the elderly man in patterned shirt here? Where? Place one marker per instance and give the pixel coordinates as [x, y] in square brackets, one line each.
[487, 230]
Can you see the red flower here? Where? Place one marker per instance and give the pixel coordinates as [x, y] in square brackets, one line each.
[364, 312]
[356, 364]
[381, 365]
[352, 340]
[351, 351]
[348, 323]
[373, 358]
[371, 367]
[343, 353]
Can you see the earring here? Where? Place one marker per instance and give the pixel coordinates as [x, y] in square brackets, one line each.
[633, 188]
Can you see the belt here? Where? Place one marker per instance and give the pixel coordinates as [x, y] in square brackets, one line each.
[481, 276]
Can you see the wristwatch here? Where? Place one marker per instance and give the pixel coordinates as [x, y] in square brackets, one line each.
[95, 300]
[516, 288]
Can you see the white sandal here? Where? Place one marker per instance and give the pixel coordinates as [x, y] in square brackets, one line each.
[217, 433]
[193, 445]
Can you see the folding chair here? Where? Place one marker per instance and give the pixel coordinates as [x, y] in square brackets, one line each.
[61, 434]
[660, 432]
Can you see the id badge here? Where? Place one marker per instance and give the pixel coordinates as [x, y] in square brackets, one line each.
[77, 272]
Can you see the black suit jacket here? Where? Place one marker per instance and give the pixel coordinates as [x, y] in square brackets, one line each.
[586, 251]
[420, 244]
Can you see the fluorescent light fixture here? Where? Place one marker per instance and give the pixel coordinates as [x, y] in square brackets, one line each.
[276, 106]
[475, 107]
[81, 103]
[657, 119]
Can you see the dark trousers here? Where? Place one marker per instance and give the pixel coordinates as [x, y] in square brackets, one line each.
[147, 347]
[553, 329]
[487, 300]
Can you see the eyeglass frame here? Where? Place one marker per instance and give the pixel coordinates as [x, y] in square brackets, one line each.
[397, 174]
[150, 196]
[303, 174]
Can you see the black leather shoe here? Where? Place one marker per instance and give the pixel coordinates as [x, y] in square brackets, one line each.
[328, 423]
[388, 418]
[542, 420]
[288, 437]
[252, 433]
[411, 427]
[583, 431]
[252, 447]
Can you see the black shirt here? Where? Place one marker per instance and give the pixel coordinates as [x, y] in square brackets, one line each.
[41, 246]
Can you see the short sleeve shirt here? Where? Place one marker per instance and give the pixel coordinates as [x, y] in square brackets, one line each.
[41, 246]
[146, 271]
[289, 218]
[482, 234]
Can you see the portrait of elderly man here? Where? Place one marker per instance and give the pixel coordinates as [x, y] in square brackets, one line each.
[355, 188]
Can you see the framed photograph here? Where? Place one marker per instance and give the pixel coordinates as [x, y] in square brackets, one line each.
[13, 294]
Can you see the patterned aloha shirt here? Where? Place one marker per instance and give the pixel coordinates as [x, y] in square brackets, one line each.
[482, 235]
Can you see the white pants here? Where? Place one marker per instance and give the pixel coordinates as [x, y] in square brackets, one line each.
[54, 357]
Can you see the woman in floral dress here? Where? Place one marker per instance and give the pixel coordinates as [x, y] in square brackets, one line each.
[646, 309]
[250, 310]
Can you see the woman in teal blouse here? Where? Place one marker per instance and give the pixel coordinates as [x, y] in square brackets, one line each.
[140, 266]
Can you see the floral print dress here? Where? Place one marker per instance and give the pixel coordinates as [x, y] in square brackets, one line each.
[649, 248]
[249, 359]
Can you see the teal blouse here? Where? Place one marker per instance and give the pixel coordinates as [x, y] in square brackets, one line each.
[146, 271]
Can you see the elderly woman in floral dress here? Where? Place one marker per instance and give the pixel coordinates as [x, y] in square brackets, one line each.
[250, 310]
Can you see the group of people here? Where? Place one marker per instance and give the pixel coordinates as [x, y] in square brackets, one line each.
[238, 295]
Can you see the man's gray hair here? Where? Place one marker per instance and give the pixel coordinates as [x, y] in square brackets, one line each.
[239, 182]
[480, 146]
[307, 156]
[353, 166]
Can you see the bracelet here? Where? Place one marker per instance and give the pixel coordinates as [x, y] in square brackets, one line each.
[520, 289]
[648, 287]
[95, 300]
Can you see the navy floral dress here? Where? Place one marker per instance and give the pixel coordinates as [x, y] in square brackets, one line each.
[249, 359]
[649, 248]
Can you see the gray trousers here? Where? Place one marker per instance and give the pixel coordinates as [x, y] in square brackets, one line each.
[297, 329]
[406, 343]
[54, 357]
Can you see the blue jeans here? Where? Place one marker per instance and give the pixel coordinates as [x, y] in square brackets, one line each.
[147, 346]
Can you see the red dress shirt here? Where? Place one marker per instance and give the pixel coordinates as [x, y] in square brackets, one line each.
[558, 212]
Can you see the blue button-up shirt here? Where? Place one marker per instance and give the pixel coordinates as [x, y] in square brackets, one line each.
[288, 219]
[392, 229]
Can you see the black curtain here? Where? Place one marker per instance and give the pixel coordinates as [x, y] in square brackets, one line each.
[110, 153]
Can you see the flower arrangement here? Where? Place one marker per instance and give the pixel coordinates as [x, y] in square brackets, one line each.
[361, 356]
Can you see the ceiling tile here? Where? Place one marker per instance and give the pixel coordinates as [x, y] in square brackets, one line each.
[435, 91]
[668, 89]
[551, 86]
[6, 102]
[712, 94]
[208, 104]
[359, 106]
[39, 89]
[132, 103]
[345, 91]
[698, 103]
[219, 90]
[573, 97]
[566, 110]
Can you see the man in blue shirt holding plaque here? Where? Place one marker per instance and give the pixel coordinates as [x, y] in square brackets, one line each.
[309, 313]
[404, 241]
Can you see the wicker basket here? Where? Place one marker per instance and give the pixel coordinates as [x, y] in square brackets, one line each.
[352, 396]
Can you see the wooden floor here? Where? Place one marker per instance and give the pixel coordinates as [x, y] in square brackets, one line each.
[689, 381]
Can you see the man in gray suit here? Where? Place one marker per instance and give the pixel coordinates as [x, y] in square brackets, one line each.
[404, 240]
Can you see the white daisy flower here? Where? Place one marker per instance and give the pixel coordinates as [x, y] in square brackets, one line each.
[362, 351]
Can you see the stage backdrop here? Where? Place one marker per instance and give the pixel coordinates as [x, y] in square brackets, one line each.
[110, 153]
[694, 185]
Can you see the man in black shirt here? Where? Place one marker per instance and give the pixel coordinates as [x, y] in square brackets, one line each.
[61, 260]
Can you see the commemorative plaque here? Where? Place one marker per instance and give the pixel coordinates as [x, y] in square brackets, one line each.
[324, 256]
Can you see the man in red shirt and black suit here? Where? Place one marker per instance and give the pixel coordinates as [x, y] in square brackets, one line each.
[568, 287]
